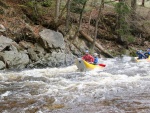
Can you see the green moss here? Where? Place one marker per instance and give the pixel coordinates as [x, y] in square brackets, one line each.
[123, 51]
[46, 3]
[130, 39]
[30, 4]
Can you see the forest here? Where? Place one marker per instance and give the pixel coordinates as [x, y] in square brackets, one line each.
[109, 27]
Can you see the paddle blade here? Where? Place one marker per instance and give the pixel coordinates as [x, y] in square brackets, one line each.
[103, 65]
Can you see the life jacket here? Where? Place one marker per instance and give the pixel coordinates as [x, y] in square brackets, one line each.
[140, 55]
[88, 58]
[147, 54]
[95, 60]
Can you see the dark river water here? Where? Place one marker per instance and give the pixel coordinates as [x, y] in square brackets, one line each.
[122, 87]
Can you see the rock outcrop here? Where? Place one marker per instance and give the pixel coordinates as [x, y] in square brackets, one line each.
[48, 51]
[51, 40]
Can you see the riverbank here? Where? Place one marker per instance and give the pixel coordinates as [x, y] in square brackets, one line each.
[31, 41]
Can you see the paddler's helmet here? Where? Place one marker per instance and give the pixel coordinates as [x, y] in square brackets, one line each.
[140, 51]
[95, 54]
[86, 52]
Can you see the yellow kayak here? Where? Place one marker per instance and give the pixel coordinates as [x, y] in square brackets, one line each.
[85, 66]
[140, 60]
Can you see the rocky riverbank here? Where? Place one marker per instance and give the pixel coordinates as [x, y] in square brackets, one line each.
[48, 51]
[31, 41]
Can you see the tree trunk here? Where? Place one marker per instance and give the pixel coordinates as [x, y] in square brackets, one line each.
[133, 5]
[80, 20]
[89, 22]
[96, 26]
[120, 16]
[62, 11]
[35, 8]
[143, 2]
[128, 2]
[57, 10]
[96, 44]
[94, 2]
[68, 15]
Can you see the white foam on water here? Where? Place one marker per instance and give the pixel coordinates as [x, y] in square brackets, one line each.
[5, 94]
[124, 80]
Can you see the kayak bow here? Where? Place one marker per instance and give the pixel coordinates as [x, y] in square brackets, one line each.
[85, 66]
[140, 60]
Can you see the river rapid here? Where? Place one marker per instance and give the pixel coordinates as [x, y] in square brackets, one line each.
[122, 87]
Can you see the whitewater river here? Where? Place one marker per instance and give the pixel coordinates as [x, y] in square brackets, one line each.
[122, 87]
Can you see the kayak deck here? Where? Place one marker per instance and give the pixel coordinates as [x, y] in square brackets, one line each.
[85, 66]
[140, 60]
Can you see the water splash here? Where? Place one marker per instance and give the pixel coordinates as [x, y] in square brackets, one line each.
[123, 86]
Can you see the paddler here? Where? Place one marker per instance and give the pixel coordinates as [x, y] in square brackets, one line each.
[87, 57]
[95, 59]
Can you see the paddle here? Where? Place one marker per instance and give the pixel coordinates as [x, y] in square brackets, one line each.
[103, 65]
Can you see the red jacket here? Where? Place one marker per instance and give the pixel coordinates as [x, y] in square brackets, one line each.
[88, 58]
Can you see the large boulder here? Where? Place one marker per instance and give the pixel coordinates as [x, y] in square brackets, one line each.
[49, 51]
[60, 59]
[2, 65]
[51, 40]
[11, 54]
[5, 42]
[53, 59]
[14, 59]
[35, 51]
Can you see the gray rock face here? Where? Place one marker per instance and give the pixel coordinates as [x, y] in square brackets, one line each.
[51, 39]
[32, 54]
[35, 51]
[9, 54]
[4, 42]
[48, 52]
[25, 44]
[2, 65]
[54, 60]
[57, 59]
[15, 60]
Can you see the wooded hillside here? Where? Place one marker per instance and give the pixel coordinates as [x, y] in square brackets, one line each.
[118, 26]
